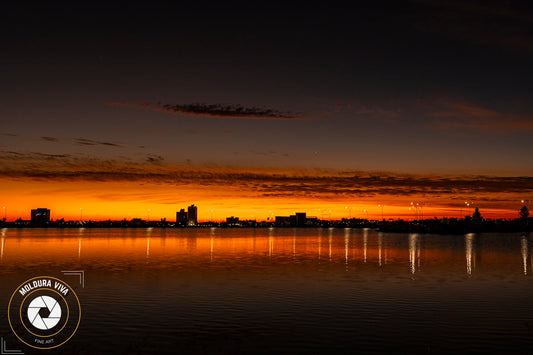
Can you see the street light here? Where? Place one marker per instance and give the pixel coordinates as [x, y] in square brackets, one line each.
[421, 210]
[467, 205]
[380, 205]
[413, 206]
[413, 209]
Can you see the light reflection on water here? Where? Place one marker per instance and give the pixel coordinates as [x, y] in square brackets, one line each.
[525, 252]
[284, 290]
[469, 251]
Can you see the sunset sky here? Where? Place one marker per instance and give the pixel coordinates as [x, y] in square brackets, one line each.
[259, 109]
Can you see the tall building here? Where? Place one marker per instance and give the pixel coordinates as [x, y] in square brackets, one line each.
[181, 218]
[40, 216]
[301, 219]
[192, 215]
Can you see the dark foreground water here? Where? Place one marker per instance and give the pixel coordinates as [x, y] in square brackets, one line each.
[280, 290]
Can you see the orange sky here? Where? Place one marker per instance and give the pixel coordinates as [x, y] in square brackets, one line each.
[260, 194]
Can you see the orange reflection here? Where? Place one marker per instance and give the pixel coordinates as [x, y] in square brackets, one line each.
[227, 248]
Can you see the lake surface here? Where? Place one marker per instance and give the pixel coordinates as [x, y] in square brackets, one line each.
[281, 290]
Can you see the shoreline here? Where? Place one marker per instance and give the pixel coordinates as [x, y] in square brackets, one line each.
[429, 226]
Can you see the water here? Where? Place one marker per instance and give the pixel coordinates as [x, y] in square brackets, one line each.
[281, 290]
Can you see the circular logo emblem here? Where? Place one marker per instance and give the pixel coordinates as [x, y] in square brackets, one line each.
[44, 312]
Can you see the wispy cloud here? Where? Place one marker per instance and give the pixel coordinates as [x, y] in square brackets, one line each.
[444, 113]
[84, 141]
[306, 184]
[50, 139]
[213, 110]
[154, 159]
[452, 113]
[51, 155]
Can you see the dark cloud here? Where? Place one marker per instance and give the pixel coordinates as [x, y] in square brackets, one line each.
[28, 157]
[7, 153]
[50, 139]
[154, 159]
[214, 110]
[51, 155]
[83, 141]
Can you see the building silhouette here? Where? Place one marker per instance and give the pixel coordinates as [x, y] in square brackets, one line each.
[192, 215]
[296, 220]
[40, 216]
[232, 221]
[181, 218]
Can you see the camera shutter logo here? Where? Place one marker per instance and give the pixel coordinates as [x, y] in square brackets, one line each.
[36, 316]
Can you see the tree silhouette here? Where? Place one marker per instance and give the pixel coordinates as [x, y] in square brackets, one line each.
[476, 217]
[524, 212]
